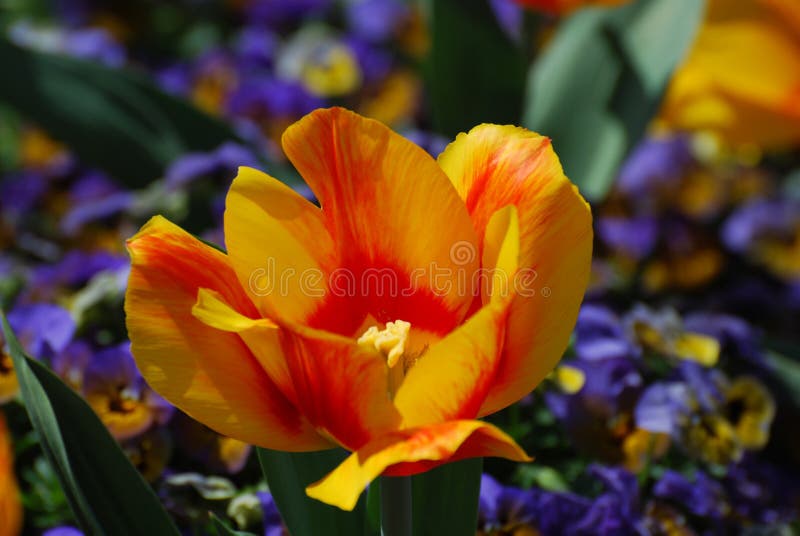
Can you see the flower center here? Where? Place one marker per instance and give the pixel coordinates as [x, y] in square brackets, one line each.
[390, 341]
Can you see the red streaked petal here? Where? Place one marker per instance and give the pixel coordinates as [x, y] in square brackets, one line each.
[409, 452]
[342, 388]
[390, 209]
[209, 374]
[279, 247]
[450, 381]
[494, 166]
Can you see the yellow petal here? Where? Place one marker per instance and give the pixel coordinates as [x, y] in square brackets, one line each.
[209, 374]
[742, 77]
[494, 166]
[697, 347]
[278, 246]
[409, 452]
[260, 335]
[451, 379]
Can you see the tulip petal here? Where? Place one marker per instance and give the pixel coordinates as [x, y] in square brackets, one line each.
[450, 381]
[209, 374]
[260, 335]
[342, 388]
[278, 246]
[390, 210]
[493, 166]
[409, 452]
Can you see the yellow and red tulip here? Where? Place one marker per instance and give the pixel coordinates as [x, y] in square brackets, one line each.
[10, 505]
[289, 341]
[741, 81]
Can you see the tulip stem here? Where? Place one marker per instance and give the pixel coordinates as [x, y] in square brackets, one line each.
[395, 506]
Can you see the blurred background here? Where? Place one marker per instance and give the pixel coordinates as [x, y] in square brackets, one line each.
[676, 408]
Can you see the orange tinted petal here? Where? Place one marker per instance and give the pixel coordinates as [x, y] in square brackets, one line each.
[409, 452]
[451, 379]
[209, 374]
[261, 336]
[276, 239]
[390, 208]
[341, 388]
[10, 504]
[494, 166]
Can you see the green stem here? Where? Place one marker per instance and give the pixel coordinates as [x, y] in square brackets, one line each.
[395, 506]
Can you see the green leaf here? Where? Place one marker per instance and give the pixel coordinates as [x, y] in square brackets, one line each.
[224, 530]
[106, 493]
[597, 86]
[446, 499]
[475, 73]
[785, 372]
[289, 473]
[113, 119]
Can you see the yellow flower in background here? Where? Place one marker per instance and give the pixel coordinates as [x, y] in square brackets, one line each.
[751, 409]
[564, 7]
[422, 296]
[10, 505]
[9, 386]
[741, 80]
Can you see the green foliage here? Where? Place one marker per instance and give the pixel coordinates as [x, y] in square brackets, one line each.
[106, 493]
[596, 87]
[289, 473]
[446, 499]
[113, 119]
[475, 73]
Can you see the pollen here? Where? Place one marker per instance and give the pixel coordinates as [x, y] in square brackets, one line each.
[390, 341]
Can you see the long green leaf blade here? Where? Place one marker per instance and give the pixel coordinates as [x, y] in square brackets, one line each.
[475, 73]
[107, 494]
[446, 499]
[113, 119]
[289, 473]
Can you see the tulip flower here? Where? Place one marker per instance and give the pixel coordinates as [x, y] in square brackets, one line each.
[422, 296]
[10, 505]
[741, 80]
[564, 7]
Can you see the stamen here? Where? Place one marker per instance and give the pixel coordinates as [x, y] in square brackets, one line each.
[390, 341]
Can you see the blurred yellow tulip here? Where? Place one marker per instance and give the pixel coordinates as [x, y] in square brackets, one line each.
[741, 80]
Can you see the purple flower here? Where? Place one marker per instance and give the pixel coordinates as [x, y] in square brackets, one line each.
[273, 524]
[264, 96]
[225, 159]
[653, 165]
[505, 508]
[375, 20]
[43, 329]
[255, 47]
[279, 12]
[702, 497]
[599, 335]
[70, 363]
[62, 531]
[635, 237]
[94, 197]
[758, 218]
[94, 44]
[21, 191]
[761, 492]
[375, 62]
[119, 395]
[510, 17]
[738, 338]
[664, 407]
